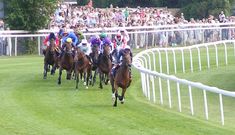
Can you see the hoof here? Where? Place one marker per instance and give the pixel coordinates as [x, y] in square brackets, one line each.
[86, 87]
[84, 83]
[122, 101]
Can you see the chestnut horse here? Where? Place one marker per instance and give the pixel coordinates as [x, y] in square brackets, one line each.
[50, 59]
[104, 65]
[121, 78]
[66, 62]
[82, 66]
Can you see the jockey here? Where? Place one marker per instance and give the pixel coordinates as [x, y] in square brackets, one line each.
[95, 46]
[118, 44]
[71, 35]
[95, 42]
[121, 53]
[126, 49]
[86, 48]
[80, 36]
[105, 41]
[68, 41]
[118, 41]
[102, 36]
[46, 42]
[124, 34]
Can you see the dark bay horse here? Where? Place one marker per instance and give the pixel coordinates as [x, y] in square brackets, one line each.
[121, 79]
[94, 58]
[50, 59]
[66, 62]
[104, 65]
[82, 67]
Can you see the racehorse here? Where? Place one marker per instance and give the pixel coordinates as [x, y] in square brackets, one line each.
[82, 66]
[94, 58]
[104, 65]
[50, 59]
[121, 78]
[66, 62]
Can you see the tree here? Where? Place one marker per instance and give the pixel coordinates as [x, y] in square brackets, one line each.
[204, 8]
[29, 14]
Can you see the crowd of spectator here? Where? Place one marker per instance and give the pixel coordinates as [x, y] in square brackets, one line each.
[88, 17]
[84, 16]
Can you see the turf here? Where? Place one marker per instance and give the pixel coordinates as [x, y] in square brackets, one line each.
[31, 105]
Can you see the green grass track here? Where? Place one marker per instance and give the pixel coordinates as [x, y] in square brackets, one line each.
[30, 105]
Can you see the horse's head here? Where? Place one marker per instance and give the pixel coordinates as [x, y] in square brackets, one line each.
[68, 47]
[126, 58]
[95, 48]
[52, 45]
[106, 49]
[79, 53]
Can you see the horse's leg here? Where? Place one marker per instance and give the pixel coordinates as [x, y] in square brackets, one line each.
[94, 77]
[106, 79]
[68, 77]
[77, 79]
[84, 78]
[53, 69]
[60, 73]
[48, 68]
[112, 86]
[122, 97]
[115, 101]
[45, 71]
[88, 77]
[101, 80]
[115, 91]
[81, 76]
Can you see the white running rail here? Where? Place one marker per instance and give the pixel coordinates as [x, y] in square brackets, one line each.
[145, 62]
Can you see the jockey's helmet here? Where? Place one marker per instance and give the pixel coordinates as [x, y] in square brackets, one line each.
[127, 47]
[69, 40]
[106, 41]
[103, 35]
[52, 36]
[95, 40]
[79, 33]
[118, 35]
